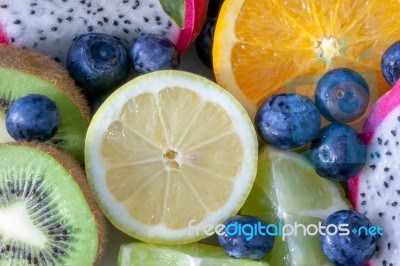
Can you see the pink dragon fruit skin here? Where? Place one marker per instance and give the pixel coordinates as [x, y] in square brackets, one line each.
[375, 192]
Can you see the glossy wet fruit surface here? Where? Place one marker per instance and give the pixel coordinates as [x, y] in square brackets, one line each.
[287, 121]
[169, 153]
[33, 117]
[288, 190]
[296, 42]
[97, 62]
[390, 64]
[338, 152]
[154, 52]
[342, 95]
[353, 247]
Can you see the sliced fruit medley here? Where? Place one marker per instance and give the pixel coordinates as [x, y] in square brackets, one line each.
[288, 190]
[264, 47]
[168, 154]
[23, 72]
[47, 216]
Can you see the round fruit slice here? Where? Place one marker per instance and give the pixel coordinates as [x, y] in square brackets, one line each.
[288, 190]
[193, 254]
[169, 154]
[24, 72]
[47, 216]
[295, 42]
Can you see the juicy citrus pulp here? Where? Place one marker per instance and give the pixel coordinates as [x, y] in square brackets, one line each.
[288, 190]
[193, 254]
[264, 47]
[168, 154]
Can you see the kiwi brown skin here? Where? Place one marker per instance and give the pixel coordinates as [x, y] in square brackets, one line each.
[77, 172]
[47, 69]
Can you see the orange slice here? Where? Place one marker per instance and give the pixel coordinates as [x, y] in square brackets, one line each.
[270, 46]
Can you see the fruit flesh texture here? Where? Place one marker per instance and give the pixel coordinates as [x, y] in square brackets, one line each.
[217, 146]
[70, 136]
[287, 189]
[300, 42]
[374, 192]
[93, 16]
[194, 254]
[42, 191]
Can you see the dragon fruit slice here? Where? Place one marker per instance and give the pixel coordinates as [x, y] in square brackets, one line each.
[375, 192]
[50, 26]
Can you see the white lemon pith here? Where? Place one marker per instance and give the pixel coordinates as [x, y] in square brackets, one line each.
[168, 154]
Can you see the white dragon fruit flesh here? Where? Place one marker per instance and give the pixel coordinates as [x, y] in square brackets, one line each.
[50, 26]
[375, 192]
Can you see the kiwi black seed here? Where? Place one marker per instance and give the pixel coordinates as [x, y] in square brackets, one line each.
[47, 214]
[23, 72]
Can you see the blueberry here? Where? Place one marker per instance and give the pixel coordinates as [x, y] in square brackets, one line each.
[205, 40]
[342, 95]
[154, 52]
[213, 8]
[287, 121]
[242, 238]
[32, 117]
[390, 63]
[338, 153]
[354, 249]
[98, 62]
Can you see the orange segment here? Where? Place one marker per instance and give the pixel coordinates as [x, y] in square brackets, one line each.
[262, 46]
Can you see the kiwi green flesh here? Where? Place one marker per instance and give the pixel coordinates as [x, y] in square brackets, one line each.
[71, 134]
[44, 217]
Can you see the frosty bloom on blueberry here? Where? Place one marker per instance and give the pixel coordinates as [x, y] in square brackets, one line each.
[287, 121]
[351, 249]
[32, 117]
[337, 152]
[342, 95]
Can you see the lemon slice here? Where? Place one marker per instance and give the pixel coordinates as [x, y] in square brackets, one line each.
[288, 190]
[194, 255]
[170, 154]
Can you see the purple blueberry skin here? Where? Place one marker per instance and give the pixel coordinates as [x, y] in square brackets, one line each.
[32, 117]
[154, 52]
[338, 153]
[342, 95]
[350, 250]
[97, 62]
[204, 42]
[288, 121]
[238, 246]
[390, 63]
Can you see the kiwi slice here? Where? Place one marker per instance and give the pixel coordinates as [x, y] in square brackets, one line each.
[47, 216]
[23, 72]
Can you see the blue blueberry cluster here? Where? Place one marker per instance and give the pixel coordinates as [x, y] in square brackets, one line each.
[99, 63]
